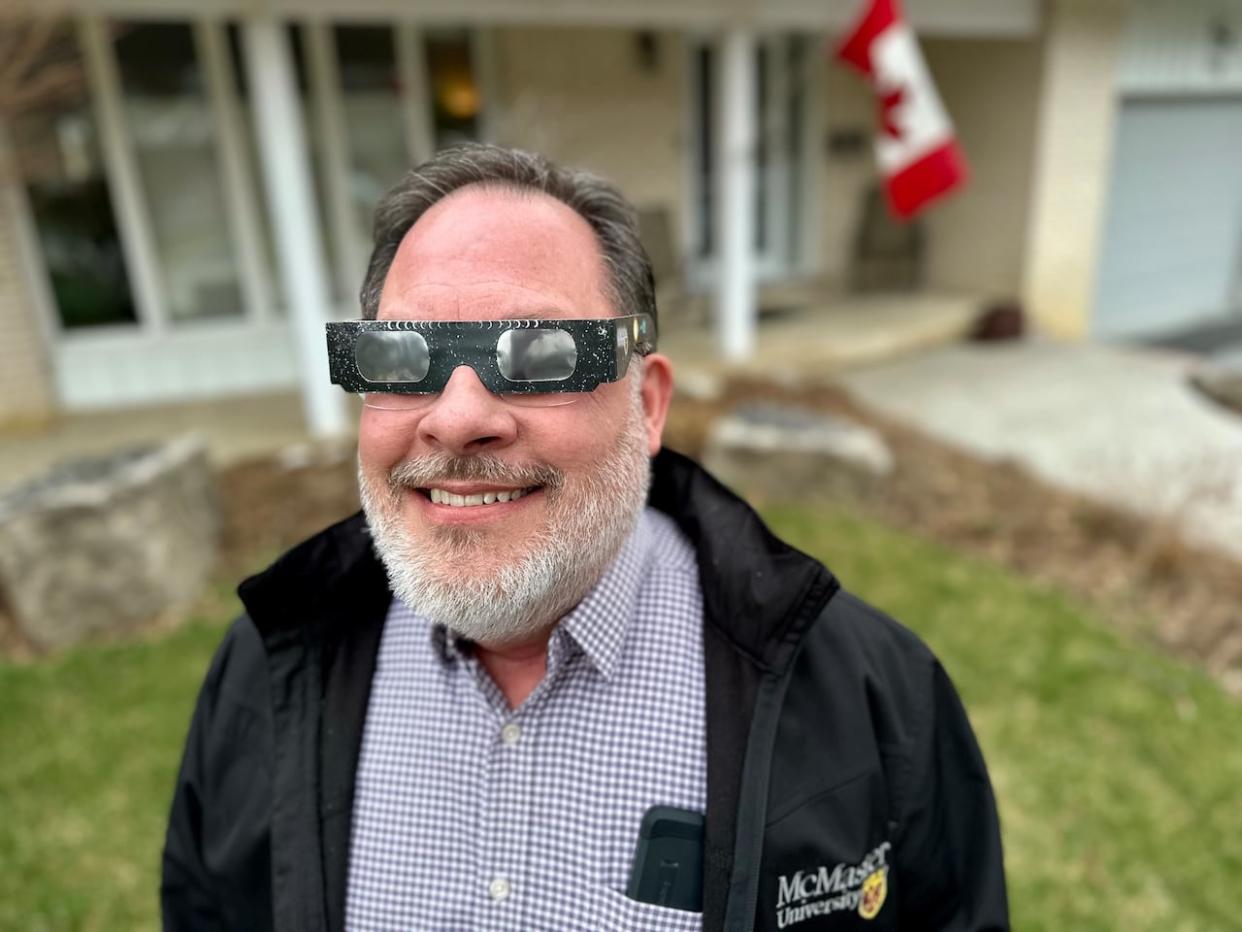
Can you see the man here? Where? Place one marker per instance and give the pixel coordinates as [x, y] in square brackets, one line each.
[557, 678]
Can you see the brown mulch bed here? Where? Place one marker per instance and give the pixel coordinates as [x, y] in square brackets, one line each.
[1142, 573]
[269, 507]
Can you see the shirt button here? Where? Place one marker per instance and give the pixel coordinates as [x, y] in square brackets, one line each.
[498, 889]
[510, 734]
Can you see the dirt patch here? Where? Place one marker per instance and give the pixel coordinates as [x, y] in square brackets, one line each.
[1142, 573]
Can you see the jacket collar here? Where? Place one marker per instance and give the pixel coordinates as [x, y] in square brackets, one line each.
[760, 593]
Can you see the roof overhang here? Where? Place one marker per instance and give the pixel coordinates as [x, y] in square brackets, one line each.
[962, 18]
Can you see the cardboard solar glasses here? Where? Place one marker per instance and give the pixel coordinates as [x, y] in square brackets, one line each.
[535, 361]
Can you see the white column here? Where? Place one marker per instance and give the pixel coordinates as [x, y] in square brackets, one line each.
[285, 156]
[736, 298]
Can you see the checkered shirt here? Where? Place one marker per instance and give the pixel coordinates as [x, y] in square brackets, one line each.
[471, 815]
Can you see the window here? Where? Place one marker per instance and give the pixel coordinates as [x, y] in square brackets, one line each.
[373, 115]
[173, 137]
[58, 152]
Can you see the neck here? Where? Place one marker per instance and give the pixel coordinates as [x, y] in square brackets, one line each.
[516, 668]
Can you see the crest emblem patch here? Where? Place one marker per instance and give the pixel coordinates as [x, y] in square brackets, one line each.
[874, 890]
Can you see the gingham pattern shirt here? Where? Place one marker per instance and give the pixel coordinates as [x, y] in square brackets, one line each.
[471, 816]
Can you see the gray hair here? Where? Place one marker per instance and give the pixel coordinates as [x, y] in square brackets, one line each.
[631, 286]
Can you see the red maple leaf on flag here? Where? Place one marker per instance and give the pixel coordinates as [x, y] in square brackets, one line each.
[888, 104]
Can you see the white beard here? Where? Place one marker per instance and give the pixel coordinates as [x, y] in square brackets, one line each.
[445, 577]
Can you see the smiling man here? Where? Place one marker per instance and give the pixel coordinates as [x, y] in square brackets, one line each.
[554, 677]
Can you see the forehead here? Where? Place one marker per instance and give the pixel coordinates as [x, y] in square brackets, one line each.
[484, 253]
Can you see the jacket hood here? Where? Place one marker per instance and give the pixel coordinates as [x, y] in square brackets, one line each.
[758, 592]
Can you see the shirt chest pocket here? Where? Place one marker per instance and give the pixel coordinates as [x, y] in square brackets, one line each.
[618, 913]
[827, 862]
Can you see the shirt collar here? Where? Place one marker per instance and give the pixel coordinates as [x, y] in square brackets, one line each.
[447, 647]
[597, 625]
[599, 622]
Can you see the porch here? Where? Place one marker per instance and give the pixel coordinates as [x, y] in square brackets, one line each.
[218, 253]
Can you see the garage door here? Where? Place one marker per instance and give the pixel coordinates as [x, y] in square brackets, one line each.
[1172, 250]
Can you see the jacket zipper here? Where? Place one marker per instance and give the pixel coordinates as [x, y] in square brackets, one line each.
[753, 809]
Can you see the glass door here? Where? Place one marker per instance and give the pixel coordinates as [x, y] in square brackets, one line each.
[781, 100]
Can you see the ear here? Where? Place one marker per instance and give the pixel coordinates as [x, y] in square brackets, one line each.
[657, 392]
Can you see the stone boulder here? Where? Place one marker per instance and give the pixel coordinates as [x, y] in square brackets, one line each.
[107, 544]
[788, 452]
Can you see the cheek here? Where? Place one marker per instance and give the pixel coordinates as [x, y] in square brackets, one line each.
[577, 436]
[383, 439]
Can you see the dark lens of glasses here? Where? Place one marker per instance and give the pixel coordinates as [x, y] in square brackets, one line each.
[543, 355]
[392, 356]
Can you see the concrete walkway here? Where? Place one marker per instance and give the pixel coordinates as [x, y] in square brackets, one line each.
[1120, 425]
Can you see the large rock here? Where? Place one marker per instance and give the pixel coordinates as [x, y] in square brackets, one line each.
[789, 452]
[106, 544]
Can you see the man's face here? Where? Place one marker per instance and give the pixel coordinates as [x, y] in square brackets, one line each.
[500, 572]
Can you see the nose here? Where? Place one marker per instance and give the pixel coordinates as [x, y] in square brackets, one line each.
[466, 418]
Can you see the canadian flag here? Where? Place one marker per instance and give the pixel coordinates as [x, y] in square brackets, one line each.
[917, 151]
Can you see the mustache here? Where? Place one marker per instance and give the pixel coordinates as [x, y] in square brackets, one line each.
[424, 471]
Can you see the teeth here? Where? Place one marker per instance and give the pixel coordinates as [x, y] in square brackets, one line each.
[442, 497]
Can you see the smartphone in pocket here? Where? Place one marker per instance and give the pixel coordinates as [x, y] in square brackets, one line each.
[668, 860]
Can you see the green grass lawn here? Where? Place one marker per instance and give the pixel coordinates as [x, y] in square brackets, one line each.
[1119, 771]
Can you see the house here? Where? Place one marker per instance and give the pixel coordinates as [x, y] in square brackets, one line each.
[181, 226]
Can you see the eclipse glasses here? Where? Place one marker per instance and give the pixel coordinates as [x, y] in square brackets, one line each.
[400, 364]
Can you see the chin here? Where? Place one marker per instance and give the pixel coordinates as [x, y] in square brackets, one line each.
[502, 578]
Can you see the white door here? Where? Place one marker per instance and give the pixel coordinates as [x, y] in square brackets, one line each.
[782, 99]
[1172, 248]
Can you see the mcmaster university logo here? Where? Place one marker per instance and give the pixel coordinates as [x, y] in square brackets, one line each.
[824, 890]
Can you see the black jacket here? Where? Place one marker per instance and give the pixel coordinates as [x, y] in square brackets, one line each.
[842, 773]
